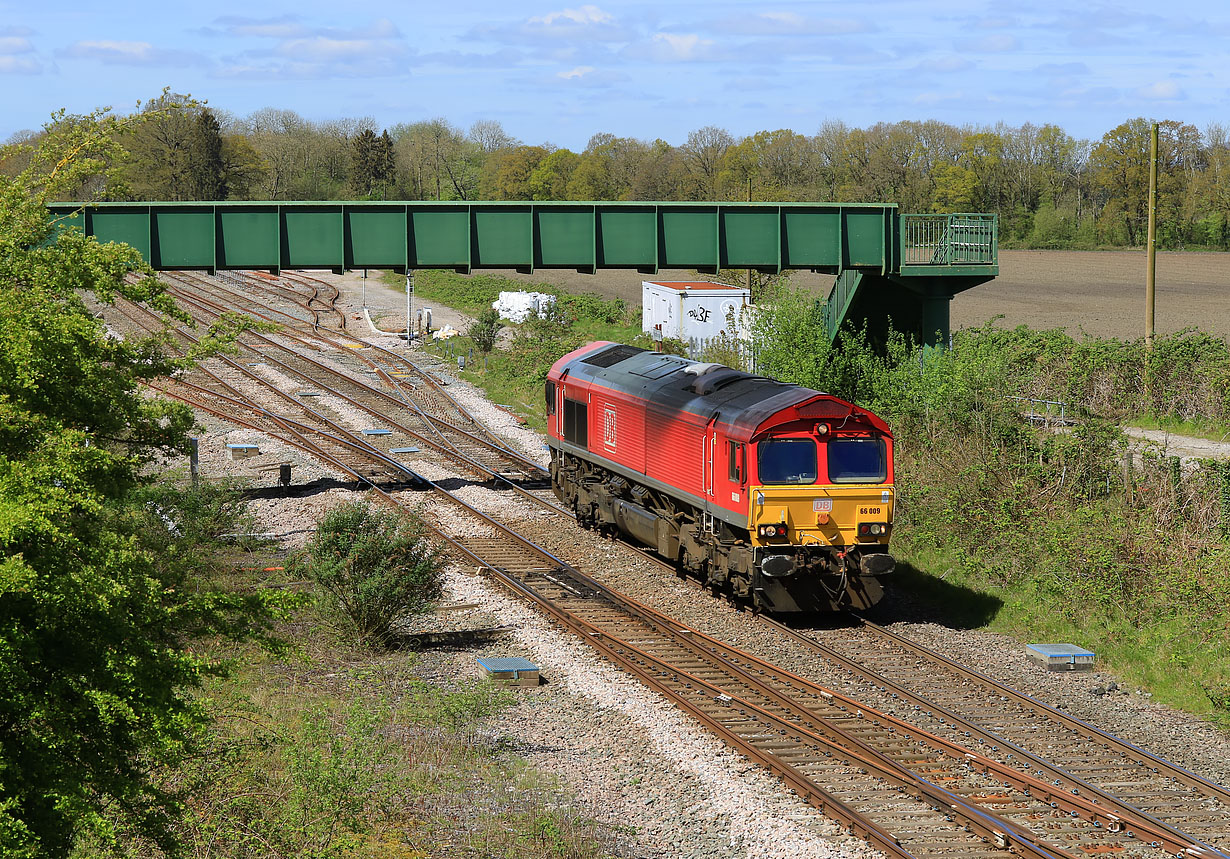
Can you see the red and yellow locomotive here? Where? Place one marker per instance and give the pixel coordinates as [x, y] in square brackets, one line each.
[779, 493]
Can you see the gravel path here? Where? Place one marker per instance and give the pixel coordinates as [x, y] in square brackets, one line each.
[1187, 448]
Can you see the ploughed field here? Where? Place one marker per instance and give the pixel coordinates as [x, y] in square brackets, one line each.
[1099, 292]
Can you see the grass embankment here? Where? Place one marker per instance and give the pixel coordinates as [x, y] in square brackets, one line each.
[329, 746]
[1041, 534]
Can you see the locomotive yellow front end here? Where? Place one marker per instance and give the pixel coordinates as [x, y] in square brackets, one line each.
[820, 518]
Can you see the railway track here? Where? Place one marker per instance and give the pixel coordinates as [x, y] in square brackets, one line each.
[959, 702]
[941, 782]
[430, 414]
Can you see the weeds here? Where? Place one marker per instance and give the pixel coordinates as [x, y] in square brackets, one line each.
[376, 566]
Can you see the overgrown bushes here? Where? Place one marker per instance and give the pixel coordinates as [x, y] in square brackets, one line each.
[1059, 523]
[376, 566]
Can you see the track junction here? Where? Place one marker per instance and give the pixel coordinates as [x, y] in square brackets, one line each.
[936, 759]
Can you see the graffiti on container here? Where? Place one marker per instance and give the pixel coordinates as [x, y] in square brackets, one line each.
[700, 314]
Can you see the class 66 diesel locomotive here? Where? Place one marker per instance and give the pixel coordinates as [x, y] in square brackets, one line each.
[776, 494]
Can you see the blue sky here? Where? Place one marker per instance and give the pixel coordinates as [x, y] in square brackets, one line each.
[558, 71]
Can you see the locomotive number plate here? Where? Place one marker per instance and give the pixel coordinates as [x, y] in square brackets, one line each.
[822, 505]
[869, 511]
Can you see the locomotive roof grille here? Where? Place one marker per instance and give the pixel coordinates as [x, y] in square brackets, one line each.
[612, 356]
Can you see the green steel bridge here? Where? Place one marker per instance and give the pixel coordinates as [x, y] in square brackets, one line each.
[889, 265]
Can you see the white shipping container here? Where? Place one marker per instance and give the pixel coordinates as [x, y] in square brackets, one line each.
[691, 311]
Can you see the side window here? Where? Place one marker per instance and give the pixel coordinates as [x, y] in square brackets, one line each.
[734, 459]
[550, 397]
[576, 422]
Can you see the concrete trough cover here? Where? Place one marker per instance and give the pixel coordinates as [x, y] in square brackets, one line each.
[377, 432]
[308, 394]
[511, 669]
[1061, 657]
[410, 449]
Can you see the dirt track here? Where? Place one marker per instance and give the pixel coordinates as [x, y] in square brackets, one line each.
[1098, 292]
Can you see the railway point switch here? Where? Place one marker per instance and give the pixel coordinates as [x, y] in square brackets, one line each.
[514, 670]
[243, 451]
[1060, 657]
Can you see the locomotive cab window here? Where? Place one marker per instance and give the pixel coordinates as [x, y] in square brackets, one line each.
[576, 422]
[550, 393]
[787, 460]
[857, 460]
[734, 456]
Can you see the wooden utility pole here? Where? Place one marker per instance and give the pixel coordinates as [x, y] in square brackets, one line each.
[1151, 241]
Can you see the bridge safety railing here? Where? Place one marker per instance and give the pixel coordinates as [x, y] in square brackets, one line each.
[958, 239]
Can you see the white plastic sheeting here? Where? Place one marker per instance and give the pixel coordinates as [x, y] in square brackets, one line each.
[517, 306]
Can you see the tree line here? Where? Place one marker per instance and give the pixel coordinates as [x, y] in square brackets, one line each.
[1050, 189]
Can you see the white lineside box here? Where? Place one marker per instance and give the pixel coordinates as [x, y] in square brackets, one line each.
[691, 311]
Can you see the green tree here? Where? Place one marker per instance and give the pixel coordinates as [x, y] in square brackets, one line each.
[438, 161]
[508, 173]
[552, 175]
[161, 149]
[703, 154]
[484, 330]
[377, 566]
[207, 168]
[97, 616]
[364, 160]
[1120, 164]
[955, 187]
[242, 166]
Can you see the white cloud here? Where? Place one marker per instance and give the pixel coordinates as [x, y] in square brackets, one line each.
[790, 24]
[585, 25]
[585, 15]
[325, 49]
[305, 53]
[1161, 91]
[996, 44]
[131, 51]
[15, 45]
[11, 65]
[951, 63]
[124, 53]
[590, 77]
[682, 47]
[280, 27]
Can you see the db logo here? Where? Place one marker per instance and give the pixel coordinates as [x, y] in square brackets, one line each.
[608, 427]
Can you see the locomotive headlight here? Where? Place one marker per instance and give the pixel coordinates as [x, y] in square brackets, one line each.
[822, 429]
[872, 529]
[771, 531]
